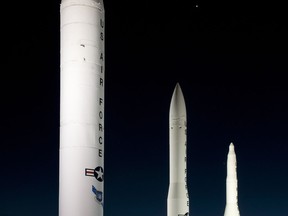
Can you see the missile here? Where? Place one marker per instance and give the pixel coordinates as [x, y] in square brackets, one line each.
[81, 168]
[231, 184]
[178, 199]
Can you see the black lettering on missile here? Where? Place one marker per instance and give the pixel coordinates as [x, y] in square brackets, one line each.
[102, 36]
[83, 45]
[101, 115]
[187, 195]
[100, 101]
[101, 23]
[100, 127]
[100, 153]
[101, 57]
[100, 140]
[188, 203]
[101, 82]
[101, 68]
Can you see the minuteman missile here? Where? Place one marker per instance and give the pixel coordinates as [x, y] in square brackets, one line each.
[178, 199]
[81, 175]
[231, 184]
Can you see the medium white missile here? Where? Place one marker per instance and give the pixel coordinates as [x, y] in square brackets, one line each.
[178, 199]
[231, 184]
[81, 175]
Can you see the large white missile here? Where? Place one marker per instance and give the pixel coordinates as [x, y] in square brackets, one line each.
[178, 199]
[231, 208]
[81, 180]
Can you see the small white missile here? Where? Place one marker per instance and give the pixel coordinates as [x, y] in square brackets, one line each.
[231, 184]
[81, 174]
[178, 199]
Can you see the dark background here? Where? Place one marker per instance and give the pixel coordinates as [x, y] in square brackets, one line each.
[230, 58]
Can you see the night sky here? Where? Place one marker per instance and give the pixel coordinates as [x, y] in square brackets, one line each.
[230, 59]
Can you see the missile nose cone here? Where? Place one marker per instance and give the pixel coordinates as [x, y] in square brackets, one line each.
[177, 106]
[231, 148]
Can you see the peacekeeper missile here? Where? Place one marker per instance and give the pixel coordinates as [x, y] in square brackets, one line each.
[81, 172]
[178, 199]
[231, 184]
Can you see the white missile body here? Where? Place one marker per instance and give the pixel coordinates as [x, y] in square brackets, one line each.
[178, 199]
[231, 184]
[81, 174]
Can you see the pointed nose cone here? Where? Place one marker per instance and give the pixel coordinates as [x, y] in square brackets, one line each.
[177, 106]
[231, 148]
